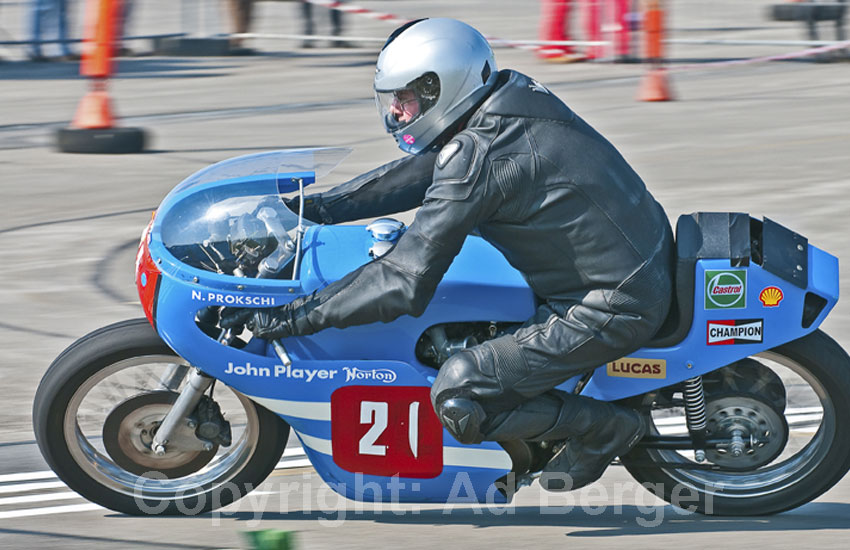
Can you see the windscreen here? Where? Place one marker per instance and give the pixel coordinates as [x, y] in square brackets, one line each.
[232, 217]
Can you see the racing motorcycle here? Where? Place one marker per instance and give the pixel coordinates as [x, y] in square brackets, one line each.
[746, 401]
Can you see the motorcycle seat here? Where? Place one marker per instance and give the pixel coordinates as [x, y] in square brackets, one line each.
[700, 235]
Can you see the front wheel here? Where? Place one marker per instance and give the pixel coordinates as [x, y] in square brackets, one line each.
[98, 406]
[803, 423]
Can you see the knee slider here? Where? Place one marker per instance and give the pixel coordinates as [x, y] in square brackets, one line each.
[455, 378]
[463, 418]
[451, 395]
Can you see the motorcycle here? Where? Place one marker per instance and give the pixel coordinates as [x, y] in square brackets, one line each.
[747, 402]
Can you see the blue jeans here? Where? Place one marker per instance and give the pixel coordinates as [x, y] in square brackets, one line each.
[43, 14]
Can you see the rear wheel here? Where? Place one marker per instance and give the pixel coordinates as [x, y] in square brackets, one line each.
[797, 442]
[98, 406]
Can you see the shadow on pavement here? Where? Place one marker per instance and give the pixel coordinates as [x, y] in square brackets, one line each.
[67, 538]
[600, 521]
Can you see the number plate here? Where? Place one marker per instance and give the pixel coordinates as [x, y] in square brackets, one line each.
[386, 431]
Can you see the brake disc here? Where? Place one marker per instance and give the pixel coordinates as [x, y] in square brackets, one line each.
[757, 432]
[128, 433]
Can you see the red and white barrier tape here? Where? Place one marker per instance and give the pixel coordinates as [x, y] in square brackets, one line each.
[535, 45]
[531, 45]
[762, 59]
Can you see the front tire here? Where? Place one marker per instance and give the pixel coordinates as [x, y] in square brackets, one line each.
[787, 482]
[67, 428]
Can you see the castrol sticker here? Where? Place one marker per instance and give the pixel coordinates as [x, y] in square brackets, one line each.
[726, 289]
[735, 331]
[632, 367]
[771, 296]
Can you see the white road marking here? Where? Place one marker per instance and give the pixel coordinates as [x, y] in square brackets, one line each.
[50, 510]
[24, 487]
[27, 476]
[295, 457]
[39, 498]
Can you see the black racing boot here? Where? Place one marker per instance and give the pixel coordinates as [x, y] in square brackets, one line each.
[597, 433]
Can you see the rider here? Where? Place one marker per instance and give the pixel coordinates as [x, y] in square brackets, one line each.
[497, 152]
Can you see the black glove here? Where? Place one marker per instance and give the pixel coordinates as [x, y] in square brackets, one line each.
[267, 323]
[235, 317]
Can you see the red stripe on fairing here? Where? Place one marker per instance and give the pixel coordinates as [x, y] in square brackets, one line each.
[147, 277]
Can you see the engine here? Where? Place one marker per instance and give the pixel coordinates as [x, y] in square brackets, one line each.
[440, 342]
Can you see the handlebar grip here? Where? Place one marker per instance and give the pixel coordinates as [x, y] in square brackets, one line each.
[281, 352]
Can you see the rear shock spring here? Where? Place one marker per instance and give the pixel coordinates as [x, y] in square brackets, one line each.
[695, 414]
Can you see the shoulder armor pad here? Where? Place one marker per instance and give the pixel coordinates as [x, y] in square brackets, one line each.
[456, 169]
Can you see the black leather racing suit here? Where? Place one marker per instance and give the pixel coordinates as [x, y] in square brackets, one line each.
[562, 205]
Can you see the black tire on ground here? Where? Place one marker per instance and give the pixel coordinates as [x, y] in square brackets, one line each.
[105, 347]
[829, 364]
[101, 140]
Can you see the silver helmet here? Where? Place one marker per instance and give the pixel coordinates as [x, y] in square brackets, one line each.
[430, 73]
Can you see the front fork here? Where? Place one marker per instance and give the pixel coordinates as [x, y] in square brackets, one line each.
[188, 399]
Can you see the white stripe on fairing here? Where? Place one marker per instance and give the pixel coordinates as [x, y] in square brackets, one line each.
[452, 456]
[297, 463]
[310, 410]
[293, 451]
[477, 458]
[316, 443]
[50, 510]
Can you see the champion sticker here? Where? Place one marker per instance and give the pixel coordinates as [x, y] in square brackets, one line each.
[725, 289]
[735, 331]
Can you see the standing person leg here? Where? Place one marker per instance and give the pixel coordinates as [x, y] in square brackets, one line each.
[123, 24]
[62, 29]
[554, 25]
[37, 13]
[622, 44]
[593, 26]
[307, 21]
[552, 17]
[336, 28]
[240, 11]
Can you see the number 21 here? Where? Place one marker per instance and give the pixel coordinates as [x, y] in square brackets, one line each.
[377, 413]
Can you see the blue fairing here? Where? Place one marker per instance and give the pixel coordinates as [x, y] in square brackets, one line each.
[466, 293]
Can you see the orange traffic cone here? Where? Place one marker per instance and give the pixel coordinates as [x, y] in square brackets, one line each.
[655, 87]
[94, 111]
[93, 128]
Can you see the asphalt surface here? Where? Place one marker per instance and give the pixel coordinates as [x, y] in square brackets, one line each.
[771, 139]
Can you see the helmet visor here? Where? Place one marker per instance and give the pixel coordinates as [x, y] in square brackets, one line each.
[398, 108]
[401, 107]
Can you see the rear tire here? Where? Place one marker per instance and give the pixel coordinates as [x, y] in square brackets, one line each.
[96, 477]
[781, 486]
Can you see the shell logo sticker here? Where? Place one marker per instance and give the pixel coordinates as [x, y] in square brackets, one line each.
[631, 367]
[771, 296]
